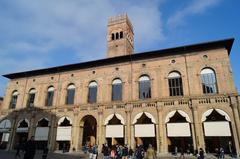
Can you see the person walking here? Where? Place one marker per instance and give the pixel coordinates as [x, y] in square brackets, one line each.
[182, 154]
[150, 153]
[130, 153]
[94, 151]
[139, 153]
[30, 149]
[105, 151]
[17, 155]
[201, 154]
[221, 155]
[45, 153]
[125, 152]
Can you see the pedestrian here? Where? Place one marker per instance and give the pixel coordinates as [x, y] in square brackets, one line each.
[113, 153]
[130, 153]
[125, 152]
[30, 149]
[94, 151]
[150, 153]
[105, 151]
[118, 151]
[175, 150]
[182, 153]
[139, 153]
[90, 151]
[17, 155]
[221, 156]
[201, 154]
[45, 153]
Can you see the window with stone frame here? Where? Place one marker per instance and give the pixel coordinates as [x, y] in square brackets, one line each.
[70, 94]
[209, 82]
[175, 84]
[31, 98]
[117, 90]
[50, 95]
[13, 101]
[92, 92]
[144, 87]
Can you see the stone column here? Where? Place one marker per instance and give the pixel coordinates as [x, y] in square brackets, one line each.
[236, 125]
[128, 108]
[158, 138]
[100, 136]
[193, 136]
[162, 130]
[132, 141]
[52, 134]
[12, 133]
[198, 128]
[74, 140]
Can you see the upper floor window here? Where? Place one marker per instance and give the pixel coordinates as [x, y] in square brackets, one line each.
[13, 101]
[31, 97]
[117, 90]
[175, 84]
[113, 37]
[144, 87]
[121, 34]
[70, 94]
[117, 35]
[209, 82]
[50, 94]
[92, 92]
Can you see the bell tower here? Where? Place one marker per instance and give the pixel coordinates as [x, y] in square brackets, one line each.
[120, 36]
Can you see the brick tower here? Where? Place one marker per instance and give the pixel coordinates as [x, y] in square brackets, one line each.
[120, 36]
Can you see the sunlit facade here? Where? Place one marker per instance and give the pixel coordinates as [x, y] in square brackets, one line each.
[181, 97]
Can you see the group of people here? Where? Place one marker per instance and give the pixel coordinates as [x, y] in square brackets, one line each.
[29, 149]
[125, 152]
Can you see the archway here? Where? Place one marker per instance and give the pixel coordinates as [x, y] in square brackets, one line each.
[64, 133]
[217, 131]
[144, 130]
[179, 132]
[88, 130]
[114, 129]
[5, 128]
[41, 133]
[21, 135]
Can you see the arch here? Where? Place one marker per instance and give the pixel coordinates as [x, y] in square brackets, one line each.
[144, 78]
[71, 86]
[5, 124]
[32, 91]
[15, 93]
[172, 113]
[43, 119]
[93, 84]
[20, 121]
[208, 112]
[50, 89]
[174, 74]
[111, 116]
[62, 119]
[207, 70]
[147, 114]
[117, 81]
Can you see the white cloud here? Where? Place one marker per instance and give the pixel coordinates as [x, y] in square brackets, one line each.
[33, 32]
[193, 8]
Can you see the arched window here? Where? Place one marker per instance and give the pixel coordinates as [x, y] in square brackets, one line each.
[31, 97]
[92, 92]
[117, 35]
[70, 94]
[50, 94]
[117, 90]
[175, 84]
[121, 34]
[209, 82]
[113, 36]
[144, 87]
[13, 101]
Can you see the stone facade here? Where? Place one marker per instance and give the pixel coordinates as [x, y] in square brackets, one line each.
[1, 101]
[193, 104]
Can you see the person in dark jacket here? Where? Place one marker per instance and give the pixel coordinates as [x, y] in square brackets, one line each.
[201, 153]
[45, 153]
[125, 152]
[105, 151]
[30, 149]
[139, 153]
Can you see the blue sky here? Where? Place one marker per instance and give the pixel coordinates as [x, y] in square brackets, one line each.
[38, 34]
